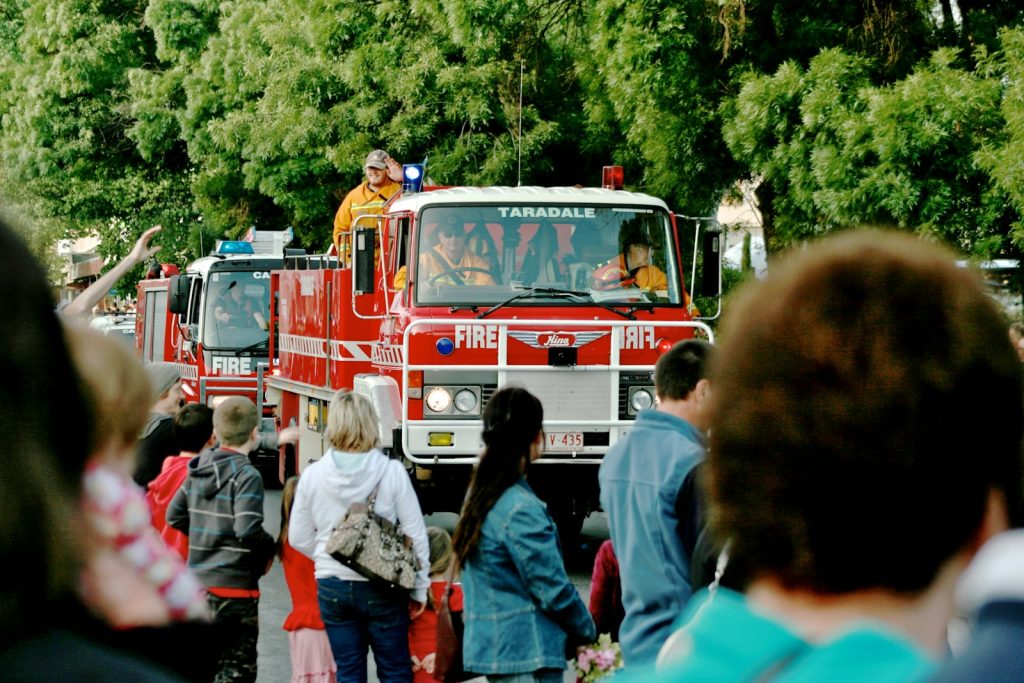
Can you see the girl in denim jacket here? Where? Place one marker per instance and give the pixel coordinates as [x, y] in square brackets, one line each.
[522, 615]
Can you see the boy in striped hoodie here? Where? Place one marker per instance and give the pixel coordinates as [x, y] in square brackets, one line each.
[220, 508]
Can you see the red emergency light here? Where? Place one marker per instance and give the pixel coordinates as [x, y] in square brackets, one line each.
[612, 178]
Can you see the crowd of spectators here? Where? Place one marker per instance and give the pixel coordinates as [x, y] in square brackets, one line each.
[815, 498]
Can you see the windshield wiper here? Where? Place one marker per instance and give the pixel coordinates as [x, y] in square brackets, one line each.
[582, 297]
[628, 313]
[529, 293]
[631, 307]
[252, 347]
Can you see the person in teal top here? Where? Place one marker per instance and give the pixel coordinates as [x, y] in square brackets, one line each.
[846, 465]
[726, 640]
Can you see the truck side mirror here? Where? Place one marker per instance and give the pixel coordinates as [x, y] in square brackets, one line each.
[711, 256]
[177, 296]
[363, 260]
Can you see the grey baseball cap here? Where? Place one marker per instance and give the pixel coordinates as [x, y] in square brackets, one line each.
[377, 159]
[162, 376]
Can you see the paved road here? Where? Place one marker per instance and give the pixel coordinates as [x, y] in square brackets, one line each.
[275, 604]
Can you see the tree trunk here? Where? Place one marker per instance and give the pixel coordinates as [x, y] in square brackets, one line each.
[765, 194]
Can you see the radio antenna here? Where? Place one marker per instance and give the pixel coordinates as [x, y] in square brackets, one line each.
[519, 174]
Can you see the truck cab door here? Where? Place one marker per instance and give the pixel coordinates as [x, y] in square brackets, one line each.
[184, 295]
[706, 273]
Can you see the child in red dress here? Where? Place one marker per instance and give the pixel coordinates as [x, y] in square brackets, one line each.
[606, 592]
[312, 660]
[423, 629]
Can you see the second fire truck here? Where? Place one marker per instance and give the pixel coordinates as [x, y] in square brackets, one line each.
[212, 322]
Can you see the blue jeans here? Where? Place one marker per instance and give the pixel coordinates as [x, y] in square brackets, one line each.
[357, 614]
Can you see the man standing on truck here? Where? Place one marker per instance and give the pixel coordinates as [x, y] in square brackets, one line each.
[383, 180]
[652, 522]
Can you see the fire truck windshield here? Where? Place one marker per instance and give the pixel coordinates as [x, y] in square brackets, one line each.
[483, 255]
[235, 313]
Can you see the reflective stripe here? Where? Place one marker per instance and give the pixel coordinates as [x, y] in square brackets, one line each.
[375, 206]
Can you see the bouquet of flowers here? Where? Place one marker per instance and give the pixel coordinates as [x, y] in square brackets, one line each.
[598, 660]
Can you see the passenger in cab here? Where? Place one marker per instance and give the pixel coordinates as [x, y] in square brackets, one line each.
[632, 267]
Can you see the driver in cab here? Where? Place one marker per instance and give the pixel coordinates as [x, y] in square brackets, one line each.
[449, 262]
[234, 309]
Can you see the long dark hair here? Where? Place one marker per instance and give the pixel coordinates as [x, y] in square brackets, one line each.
[512, 419]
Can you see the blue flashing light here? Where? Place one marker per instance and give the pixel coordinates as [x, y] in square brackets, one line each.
[412, 177]
[445, 346]
[235, 247]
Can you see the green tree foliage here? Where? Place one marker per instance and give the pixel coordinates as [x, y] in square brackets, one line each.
[66, 114]
[19, 207]
[837, 150]
[659, 71]
[880, 126]
[654, 85]
[277, 103]
[211, 116]
[1001, 155]
[762, 36]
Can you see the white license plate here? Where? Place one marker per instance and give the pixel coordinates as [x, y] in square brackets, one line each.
[563, 441]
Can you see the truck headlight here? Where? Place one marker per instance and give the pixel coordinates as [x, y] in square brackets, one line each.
[640, 399]
[459, 401]
[466, 401]
[438, 399]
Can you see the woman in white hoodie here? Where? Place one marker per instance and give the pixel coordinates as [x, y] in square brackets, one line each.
[357, 613]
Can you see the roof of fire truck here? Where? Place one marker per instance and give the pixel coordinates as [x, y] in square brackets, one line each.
[205, 264]
[525, 195]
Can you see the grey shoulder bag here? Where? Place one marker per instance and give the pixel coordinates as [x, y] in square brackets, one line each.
[373, 546]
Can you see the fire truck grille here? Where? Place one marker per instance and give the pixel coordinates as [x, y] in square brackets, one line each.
[567, 395]
[486, 391]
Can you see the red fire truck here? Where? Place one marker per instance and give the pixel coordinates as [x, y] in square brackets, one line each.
[455, 292]
[212, 322]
